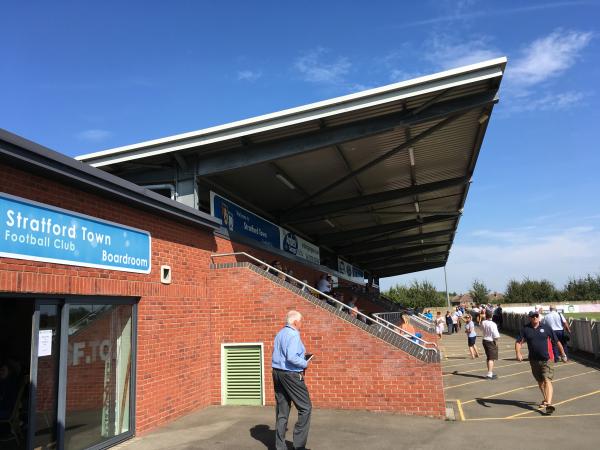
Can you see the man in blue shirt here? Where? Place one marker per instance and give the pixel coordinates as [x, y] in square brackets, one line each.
[539, 340]
[288, 364]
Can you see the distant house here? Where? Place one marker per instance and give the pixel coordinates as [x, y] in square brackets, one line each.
[495, 297]
[462, 298]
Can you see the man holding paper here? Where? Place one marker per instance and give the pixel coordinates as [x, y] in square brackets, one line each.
[289, 362]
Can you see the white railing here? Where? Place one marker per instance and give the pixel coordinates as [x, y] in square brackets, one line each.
[423, 320]
[413, 337]
[396, 316]
[340, 306]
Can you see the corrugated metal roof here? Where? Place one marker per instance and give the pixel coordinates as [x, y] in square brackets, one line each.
[315, 146]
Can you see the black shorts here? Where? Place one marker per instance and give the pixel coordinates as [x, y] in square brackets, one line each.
[491, 350]
[471, 341]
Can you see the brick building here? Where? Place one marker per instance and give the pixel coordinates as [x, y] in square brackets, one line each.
[123, 309]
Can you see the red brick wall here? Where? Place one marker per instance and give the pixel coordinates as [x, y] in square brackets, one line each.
[181, 325]
[173, 331]
[352, 369]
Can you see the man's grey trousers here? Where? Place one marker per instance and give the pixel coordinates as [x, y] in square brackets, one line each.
[290, 387]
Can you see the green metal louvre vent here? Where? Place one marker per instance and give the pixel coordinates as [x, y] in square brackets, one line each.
[243, 375]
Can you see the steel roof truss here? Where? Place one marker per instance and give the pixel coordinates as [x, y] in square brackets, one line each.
[324, 209]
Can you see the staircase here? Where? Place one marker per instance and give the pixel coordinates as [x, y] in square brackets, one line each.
[387, 332]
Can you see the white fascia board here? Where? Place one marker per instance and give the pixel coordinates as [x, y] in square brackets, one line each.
[340, 105]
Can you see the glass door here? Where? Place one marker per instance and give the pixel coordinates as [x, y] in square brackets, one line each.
[45, 358]
[82, 373]
[99, 373]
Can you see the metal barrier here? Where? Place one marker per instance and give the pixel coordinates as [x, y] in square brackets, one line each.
[340, 306]
[585, 334]
[416, 339]
[395, 317]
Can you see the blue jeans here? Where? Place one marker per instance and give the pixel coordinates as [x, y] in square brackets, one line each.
[560, 335]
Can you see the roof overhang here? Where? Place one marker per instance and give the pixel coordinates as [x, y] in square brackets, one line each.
[34, 158]
[372, 173]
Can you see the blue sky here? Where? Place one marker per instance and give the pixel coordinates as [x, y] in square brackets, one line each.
[84, 76]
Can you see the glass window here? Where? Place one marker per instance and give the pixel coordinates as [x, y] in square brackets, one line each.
[98, 373]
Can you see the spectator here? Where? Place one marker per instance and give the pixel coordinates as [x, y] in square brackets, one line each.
[471, 336]
[490, 343]
[475, 314]
[559, 324]
[459, 314]
[405, 324]
[439, 324]
[540, 360]
[281, 275]
[429, 314]
[454, 322]
[324, 284]
[289, 279]
[277, 265]
[352, 308]
[497, 316]
[449, 323]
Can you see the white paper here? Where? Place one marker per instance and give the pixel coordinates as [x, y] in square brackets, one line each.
[45, 343]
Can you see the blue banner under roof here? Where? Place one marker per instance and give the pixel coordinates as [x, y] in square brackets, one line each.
[241, 221]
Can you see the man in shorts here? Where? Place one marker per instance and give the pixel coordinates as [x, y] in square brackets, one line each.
[539, 339]
[490, 343]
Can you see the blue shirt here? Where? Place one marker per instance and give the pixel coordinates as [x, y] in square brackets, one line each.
[538, 341]
[288, 351]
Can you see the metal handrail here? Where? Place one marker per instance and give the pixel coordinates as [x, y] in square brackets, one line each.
[404, 332]
[341, 306]
[425, 318]
[422, 320]
[419, 322]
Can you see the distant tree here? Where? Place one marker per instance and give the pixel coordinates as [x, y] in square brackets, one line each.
[417, 295]
[479, 292]
[586, 288]
[531, 291]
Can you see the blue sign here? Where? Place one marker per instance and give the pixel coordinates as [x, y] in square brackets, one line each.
[38, 232]
[241, 221]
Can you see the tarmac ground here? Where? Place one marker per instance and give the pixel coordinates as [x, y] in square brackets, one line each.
[496, 414]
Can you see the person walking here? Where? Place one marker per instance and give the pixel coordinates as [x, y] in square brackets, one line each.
[459, 314]
[289, 363]
[471, 336]
[439, 324]
[455, 320]
[559, 324]
[490, 343]
[542, 364]
[497, 317]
